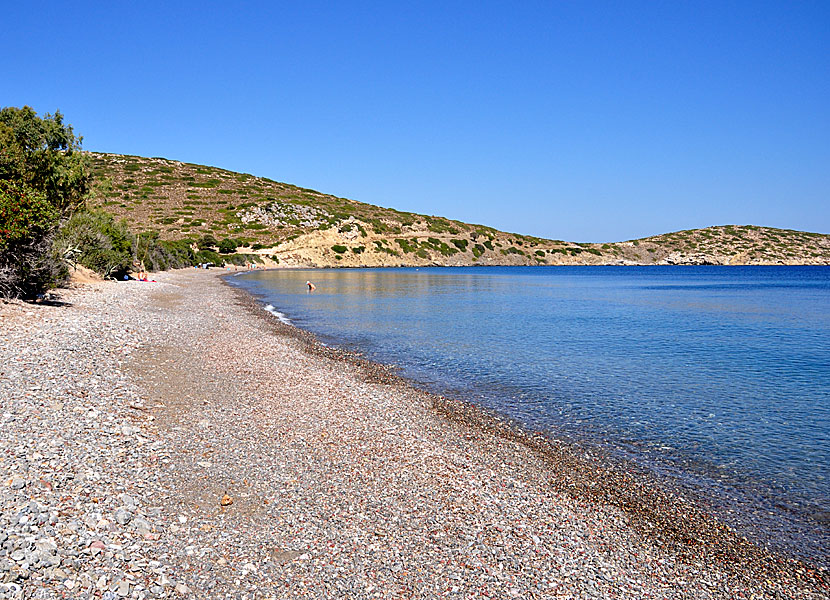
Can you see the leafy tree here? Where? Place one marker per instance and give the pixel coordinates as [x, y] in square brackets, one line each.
[227, 246]
[43, 153]
[27, 219]
[43, 180]
[206, 242]
[24, 214]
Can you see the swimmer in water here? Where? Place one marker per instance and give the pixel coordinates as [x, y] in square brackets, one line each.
[311, 286]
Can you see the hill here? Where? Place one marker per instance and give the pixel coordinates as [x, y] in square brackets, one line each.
[296, 226]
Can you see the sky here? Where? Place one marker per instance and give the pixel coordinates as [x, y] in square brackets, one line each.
[584, 121]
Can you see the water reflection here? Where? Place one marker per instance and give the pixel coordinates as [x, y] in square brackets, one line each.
[720, 372]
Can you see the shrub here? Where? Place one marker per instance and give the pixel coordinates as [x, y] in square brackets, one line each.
[446, 250]
[406, 245]
[44, 180]
[378, 226]
[438, 225]
[207, 242]
[460, 244]
[227, 246]
[24, 214]
[28, 265]
[339, 249]
[95, 240]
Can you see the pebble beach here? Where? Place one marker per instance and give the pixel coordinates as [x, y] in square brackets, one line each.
[175, 440]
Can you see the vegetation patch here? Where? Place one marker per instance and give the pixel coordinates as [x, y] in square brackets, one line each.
[408, 246]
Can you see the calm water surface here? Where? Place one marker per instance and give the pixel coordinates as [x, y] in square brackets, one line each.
[716, 379]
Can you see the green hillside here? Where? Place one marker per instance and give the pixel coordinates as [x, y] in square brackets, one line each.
[298, 226]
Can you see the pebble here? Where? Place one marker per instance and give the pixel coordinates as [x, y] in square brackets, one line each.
[153, 448]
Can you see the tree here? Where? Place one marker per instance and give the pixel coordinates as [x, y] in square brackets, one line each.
[227, 246]
[43, 180]
[27, 265]
[206, 242]
[44, 155]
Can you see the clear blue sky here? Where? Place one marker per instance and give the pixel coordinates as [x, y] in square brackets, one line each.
[588, 121]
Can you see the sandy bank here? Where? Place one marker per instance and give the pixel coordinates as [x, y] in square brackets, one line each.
[135, 408]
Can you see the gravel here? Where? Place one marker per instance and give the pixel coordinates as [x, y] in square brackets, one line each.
[172, 439]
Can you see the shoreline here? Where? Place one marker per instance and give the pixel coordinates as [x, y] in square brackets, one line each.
[785, 532]
[343, 479]
[589, 469]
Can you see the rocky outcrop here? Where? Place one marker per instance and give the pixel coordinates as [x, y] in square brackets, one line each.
[677, 258]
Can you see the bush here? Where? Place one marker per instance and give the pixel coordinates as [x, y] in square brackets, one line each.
[152, 254]
[28, 265]
[95, 240]
[24, 214]
[227, 246]
[407, 245]
[206, 242]
[339, 249]
[42, 181]
[208, 256]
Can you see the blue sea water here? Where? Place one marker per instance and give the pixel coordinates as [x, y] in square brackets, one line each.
[715, 379]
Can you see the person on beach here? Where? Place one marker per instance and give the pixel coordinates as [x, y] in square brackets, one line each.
[311, 286]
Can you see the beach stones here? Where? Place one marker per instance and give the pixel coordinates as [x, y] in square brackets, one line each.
[346, 484]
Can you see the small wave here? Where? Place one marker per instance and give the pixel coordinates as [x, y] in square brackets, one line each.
[283, 319]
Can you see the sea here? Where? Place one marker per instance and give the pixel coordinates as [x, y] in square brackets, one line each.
[714, 380]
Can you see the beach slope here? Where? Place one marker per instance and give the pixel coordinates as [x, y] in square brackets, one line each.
[173, 439]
